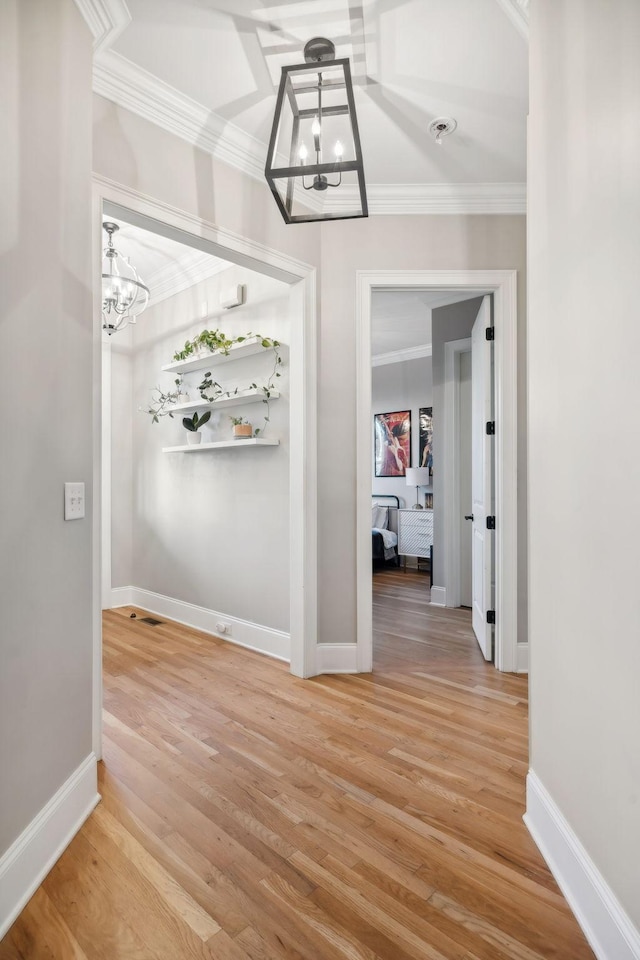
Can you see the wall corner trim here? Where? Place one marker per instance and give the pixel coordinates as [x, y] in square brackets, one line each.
[610, 932]
[106, 19]
[438, 596]
[30, 858]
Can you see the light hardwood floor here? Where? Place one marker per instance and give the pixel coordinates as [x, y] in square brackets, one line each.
[249, 815]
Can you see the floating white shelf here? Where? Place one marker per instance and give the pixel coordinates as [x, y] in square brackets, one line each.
[247, 349]
[220, 444]
[241, 397]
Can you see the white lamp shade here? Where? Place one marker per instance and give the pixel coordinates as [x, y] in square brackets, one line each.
[418, 476]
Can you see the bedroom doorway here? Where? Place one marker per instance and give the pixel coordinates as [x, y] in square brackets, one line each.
[420, 392]
[451, 287]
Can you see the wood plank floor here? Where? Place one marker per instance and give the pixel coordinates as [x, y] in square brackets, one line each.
[249, 815]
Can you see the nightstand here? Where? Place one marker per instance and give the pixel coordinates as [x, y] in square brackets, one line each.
[415, 535]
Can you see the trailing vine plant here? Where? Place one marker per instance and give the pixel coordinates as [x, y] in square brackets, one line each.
[213, 340]
[162, 401]
[210, 390]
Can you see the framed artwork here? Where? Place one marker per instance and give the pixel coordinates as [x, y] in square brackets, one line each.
[426, 438]
[392, 443]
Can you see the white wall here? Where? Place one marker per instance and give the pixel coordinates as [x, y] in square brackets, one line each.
[401, 386]
[46, 357]
[209, 528]
[584, 397]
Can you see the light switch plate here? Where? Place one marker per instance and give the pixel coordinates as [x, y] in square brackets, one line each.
[73, 501]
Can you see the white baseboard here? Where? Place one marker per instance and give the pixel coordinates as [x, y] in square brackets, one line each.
[610, 932]
[27, 861]
[522, 658]
[439, 596]
[244, 633]
[337, 658]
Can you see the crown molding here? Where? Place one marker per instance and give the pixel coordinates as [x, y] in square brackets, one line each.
[168, 281]
[128, 85]
[441, 198]
[106, 19]
[123, 82]
[518, 13]
[400, 356]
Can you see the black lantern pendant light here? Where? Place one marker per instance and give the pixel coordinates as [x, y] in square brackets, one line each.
[314, 163]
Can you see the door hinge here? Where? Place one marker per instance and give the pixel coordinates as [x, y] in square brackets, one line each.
[491, 616]
[491, 523]
[491, 428]
[490, 333]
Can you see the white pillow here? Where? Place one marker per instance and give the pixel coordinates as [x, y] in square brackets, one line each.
[379, 516]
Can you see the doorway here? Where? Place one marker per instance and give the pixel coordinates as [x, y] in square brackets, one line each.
[175, 225]
[422, 383]
[502, 284]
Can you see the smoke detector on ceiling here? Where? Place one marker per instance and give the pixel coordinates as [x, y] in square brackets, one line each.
[442, 127]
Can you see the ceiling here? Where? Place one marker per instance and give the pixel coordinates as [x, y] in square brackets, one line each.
[164, 265]
[401, 322]
[208, 70]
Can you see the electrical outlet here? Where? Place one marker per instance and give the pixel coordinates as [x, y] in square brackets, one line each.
[73, 501]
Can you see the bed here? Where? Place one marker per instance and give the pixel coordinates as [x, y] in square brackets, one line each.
[384, 529]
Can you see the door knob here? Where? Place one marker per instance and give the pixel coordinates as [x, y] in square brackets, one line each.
[468, 516]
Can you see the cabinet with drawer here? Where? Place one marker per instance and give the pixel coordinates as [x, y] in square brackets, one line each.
[415, 533]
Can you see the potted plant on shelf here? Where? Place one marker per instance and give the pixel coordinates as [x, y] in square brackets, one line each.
[242, 429]
[193, 424]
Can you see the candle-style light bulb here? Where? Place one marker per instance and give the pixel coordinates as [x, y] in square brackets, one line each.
[338, 150]
[315, 130]
[303, 153]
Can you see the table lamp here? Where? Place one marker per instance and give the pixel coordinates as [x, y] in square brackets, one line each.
[417, 477]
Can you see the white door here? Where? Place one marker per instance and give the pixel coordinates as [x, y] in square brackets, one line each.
[482, 478]
[464, 476]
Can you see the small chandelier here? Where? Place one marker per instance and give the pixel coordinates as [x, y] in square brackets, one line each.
[315, 116]
[124, 295]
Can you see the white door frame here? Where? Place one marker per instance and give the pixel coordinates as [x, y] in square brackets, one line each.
[451, 466]
[303, 548]
[503, 285]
